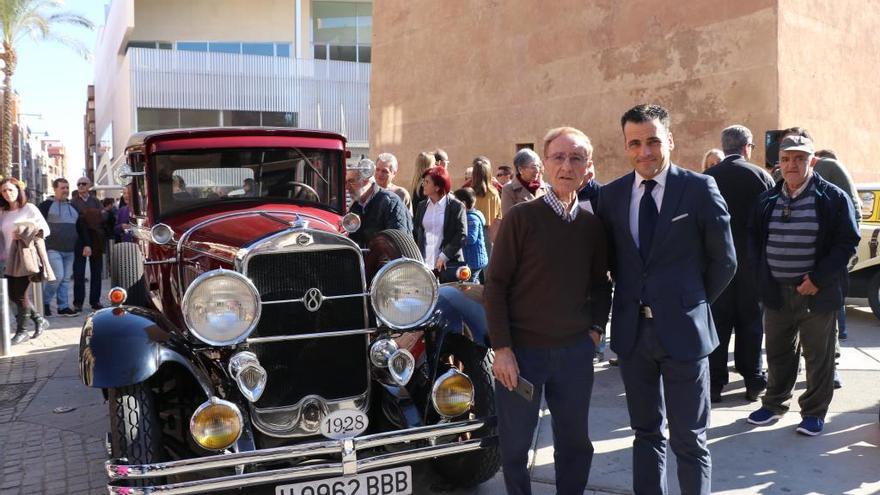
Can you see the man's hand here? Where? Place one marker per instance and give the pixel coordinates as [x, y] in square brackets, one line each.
[596, 336]
[807, 287]
[440, 265]
[87, 251]
[505, 368]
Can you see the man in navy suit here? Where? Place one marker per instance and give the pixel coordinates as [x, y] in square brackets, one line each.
[672, 255]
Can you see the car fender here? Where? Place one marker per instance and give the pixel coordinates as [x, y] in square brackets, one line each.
[126, 345]
[459, 312]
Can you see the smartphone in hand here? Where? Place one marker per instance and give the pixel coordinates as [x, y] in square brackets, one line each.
[525, 388]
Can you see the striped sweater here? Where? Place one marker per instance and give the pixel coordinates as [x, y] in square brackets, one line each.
[791, 240]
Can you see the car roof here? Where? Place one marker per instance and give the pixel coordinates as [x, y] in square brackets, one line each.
[138, 139]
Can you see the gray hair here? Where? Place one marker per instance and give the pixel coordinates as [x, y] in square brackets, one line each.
[734, 138]
[365, 168]
[524, 157]
[390, 159]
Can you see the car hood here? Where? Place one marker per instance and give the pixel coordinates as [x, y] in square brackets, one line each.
[224, 234]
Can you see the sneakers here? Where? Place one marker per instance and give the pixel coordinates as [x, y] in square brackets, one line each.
[838, 381]
[763, 416]
[811, 426]
[67, 312]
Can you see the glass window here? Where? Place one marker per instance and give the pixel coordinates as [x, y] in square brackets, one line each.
[280, 119]
[165, 46]
[142, 44]
[364, 23]
[223, 47]
[867, 204]
[240, 118]
[151, 119]
[334, 22]
[194, 179]
[365, 54]
[321, 52]
[347, 53]
[267, 49]
[193, 46]
[199, 118]
[282, 50]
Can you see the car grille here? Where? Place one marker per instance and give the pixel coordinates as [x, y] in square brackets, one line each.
[312, 366]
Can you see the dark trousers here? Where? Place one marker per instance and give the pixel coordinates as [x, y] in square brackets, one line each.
[786, 327]
[96, 266]
[730, 315]
[660, 389]
[18, 293]
[565, 376]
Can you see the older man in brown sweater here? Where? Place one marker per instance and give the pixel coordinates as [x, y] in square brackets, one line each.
[547, 298]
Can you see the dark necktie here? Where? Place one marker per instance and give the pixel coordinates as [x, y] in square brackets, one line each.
[647, 219]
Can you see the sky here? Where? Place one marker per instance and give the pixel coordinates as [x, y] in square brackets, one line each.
[52, 80]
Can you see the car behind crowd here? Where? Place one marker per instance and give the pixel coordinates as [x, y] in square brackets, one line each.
[252, 343]
[865, 267]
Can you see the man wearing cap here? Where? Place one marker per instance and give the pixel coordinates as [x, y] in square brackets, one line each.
[802, 236]
[379, 209]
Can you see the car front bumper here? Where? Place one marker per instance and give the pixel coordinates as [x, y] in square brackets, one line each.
[121, 473]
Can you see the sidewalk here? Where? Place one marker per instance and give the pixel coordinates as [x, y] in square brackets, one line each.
[44, 451]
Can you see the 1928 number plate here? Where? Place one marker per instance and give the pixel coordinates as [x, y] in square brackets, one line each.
[344, 423]
[397, 481]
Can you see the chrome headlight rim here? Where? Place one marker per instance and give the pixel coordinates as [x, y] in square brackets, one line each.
[161, 234]
[220, 272]
[439, 381]
[213, 401]
[435, 293]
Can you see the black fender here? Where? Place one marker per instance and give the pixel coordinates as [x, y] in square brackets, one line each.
[127, 345]
[460, 312]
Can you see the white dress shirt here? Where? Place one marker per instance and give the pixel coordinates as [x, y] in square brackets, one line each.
[433, 225]
[638, 189]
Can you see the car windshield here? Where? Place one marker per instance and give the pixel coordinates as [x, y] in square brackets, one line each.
[191, 179]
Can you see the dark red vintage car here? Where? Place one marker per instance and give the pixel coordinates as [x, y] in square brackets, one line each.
[252, 343]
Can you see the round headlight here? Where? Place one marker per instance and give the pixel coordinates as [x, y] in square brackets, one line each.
[221, 307]
[452, 394]
[404, 293]
[161, 234]
[216, 424]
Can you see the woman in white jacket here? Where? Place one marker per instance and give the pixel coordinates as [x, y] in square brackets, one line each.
[15, 214]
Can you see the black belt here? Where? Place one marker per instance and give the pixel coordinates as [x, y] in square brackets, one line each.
[645, 312]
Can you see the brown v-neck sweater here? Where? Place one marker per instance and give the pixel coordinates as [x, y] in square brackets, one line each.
[547, 281]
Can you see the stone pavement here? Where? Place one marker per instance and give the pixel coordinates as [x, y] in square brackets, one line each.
[44, 450]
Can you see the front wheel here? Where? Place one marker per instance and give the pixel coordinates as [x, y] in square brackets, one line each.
[135, 433]
[874, 293]
[472, 468]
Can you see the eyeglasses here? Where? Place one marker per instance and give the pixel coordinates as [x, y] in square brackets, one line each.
[82, 183]
[575, 160]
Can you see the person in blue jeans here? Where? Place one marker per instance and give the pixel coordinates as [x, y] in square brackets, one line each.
[67, 229]
[475, 254]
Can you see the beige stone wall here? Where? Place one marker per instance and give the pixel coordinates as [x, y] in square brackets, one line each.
[828, 83]
[478, 77]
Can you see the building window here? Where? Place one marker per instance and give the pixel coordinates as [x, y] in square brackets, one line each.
[342, 30]
[521, 146]
[151, 119]
[224, 47]
[282, 50]
[199, 118]
[266, 49]
[193, 46]
[280, 119]
[240, 118]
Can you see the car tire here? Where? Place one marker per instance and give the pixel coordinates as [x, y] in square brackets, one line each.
[389, 245]
[135, 433]
[127, 271]
[472, 468]
[874, 293]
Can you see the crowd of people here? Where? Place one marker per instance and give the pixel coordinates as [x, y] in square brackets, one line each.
[53, 243]
[681, 260]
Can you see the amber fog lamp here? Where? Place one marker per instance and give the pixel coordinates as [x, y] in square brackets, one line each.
[463, 273]
[452, 394]
[216, 424]
[351, 223]
[117, 296]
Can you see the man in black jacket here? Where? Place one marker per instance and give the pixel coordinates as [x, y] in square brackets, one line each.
[740, 183]
[379, 209]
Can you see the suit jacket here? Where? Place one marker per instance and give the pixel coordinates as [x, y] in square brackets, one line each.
[514, 193]
[692, 260]
[454, 228]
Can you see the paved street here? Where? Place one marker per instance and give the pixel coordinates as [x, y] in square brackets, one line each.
[48, 451]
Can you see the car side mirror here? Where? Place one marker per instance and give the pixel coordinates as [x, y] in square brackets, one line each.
[124, 174]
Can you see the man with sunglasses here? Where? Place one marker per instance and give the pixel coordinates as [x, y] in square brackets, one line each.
[802, 236]
[89, 208]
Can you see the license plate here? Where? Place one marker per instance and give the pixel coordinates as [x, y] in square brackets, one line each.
[345, 423]
[397, 481]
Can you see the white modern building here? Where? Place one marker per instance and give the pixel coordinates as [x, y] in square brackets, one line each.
[163, 64]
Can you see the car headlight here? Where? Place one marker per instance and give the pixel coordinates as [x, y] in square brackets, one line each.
[216, 424]
[221, 307]
[452, 394]
[404, 293]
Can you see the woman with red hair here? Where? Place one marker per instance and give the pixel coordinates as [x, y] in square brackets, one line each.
[440, 224]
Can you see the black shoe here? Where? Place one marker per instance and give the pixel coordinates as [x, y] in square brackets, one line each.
[613, 362]
[838, 381]
[753, 394]
[47, 311]
[40, 324]
[715, 396]
[96, 307]
[67, 312]
[842, 335]
[19, 337]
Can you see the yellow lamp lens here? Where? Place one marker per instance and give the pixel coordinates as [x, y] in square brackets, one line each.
[216, 424]
[452, 394]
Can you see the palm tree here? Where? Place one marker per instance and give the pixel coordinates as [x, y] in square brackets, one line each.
[40, 20]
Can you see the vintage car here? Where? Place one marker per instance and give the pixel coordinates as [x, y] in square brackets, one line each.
[251, 343]
[864, 271]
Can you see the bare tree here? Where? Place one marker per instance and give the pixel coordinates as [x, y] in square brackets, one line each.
[39, 19]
